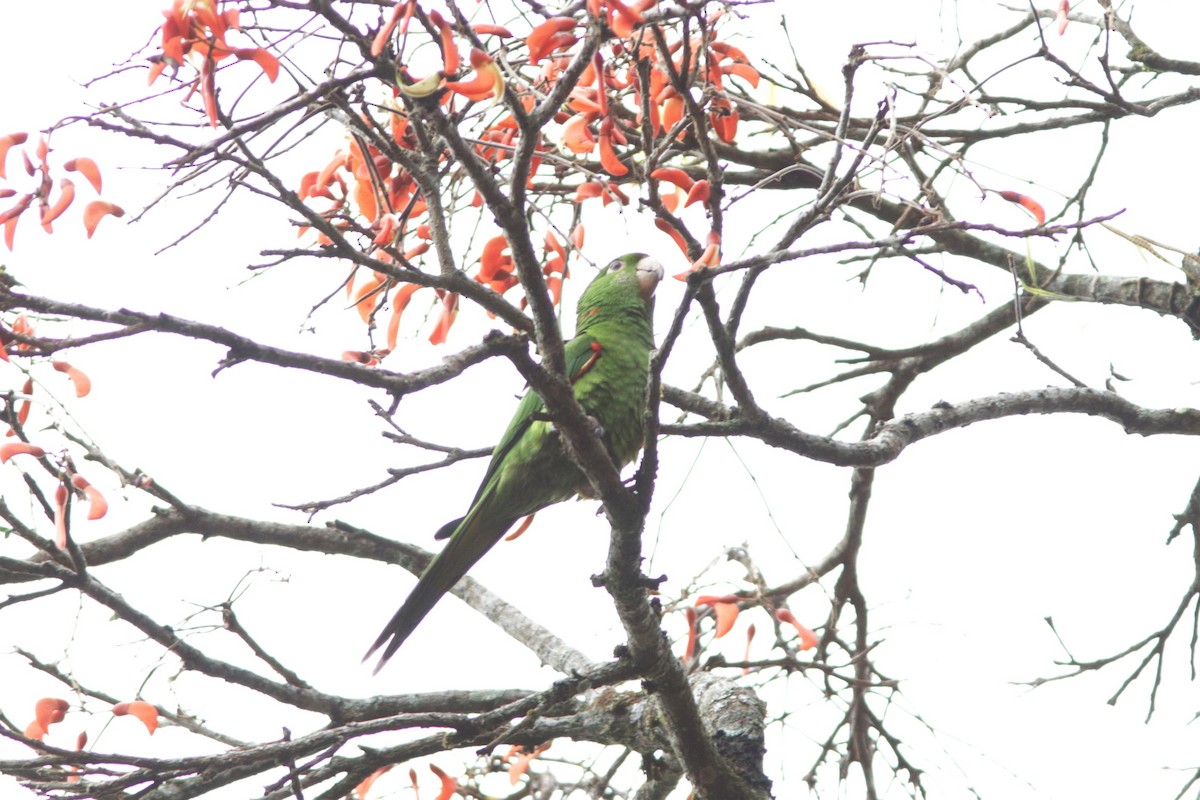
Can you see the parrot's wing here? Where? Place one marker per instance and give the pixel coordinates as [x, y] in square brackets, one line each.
[580, 354]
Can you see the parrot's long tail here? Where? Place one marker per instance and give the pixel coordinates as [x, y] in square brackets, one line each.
[467, 545]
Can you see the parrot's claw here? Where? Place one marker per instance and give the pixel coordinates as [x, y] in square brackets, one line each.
[597, 428]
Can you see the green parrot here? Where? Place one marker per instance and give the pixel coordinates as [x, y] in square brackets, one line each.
[607, 362]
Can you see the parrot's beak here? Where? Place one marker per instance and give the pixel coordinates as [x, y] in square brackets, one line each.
[649, 274]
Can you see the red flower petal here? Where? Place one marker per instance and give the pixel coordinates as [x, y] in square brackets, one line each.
[11, 449]
[1028, 203]
[87, 168]
[96, 211]
[147, 713]
[6, 141]
[83, 384]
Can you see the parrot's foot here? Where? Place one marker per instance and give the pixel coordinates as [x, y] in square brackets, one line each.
[597, 429]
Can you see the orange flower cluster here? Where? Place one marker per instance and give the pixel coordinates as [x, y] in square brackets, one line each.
[198, 28]
[50, 710]
[601, 119]
[725, 610]
[447, 785]
[68, 479]
[50, 207]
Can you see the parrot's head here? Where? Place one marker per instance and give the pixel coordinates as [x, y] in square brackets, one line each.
[625, 285]
[630, 270]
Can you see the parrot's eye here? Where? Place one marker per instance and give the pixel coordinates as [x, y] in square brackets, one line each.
[615, 266]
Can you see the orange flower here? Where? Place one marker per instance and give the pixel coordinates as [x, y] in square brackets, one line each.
[97, 505]
[749, 638]
[7, 141]
[808, 639]
[487, 82]
[12, 216]
[1060, 18]
[521, 761]
[699, 193]
[451, 60]
[608, 155]
[690, 650]
[399, 303]
[60, 516]
[1028, 203]
[496, 268]
[403, 8]
[449, 312]
[724, 119]
[83, 384]
[725, 608]
[11, 449]
[553, 34]
[449, 785]
[709, 258]
[487, 29]
[50, 710]
[360, 791]
[87, 168]
[674, 175]
[145, 712]
[577, 136]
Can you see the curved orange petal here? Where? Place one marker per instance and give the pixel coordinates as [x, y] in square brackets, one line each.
[808, 639]
[263, 57]
[727, 614]
[399, 303]
[367, 297]
[1060, 18]
[553, 244]
[451, 60]
[402, 8]
[608, 155]
[144, 711]
[673, 175]
[672, 111]
[11, 449]
[83, 384]
[65, 197]
[675, 235]
[449, 785]
[487, 29]
[446, 320]
[524, 526]
[587, 191]
[17, 209]
[360, 791]
[725, 608]
[488, 82]
[749, 638]
[364, 196]
[690, 650]
[670, 200]
[96, 211]
[699, 193]
[744, 71]
[87, 168]
[554, 285]
[1028, 203]
[97, 505]
[576, 136]
[538, 40]
[49, 710]
[6, 141]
